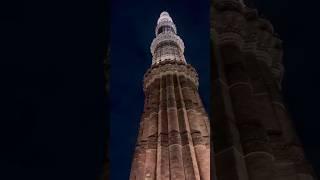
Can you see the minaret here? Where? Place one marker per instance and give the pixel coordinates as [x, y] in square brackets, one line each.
[253, 136]
[173, 139]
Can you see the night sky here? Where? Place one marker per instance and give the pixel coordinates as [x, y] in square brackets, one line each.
[133, 25]
[55, 110]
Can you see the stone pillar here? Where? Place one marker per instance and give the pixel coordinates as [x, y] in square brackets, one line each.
[190, 159]
[198, 129]
[151, 129]
[245, 46]
[288, 151]
[173, 141]
[163, 171]
[175, 148]
[254, 140]
[265, 70]
[228, 155]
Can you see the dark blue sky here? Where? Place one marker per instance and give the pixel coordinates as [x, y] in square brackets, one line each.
[133, 24]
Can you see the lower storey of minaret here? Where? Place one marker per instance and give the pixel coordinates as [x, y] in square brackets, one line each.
[253, 135]
[173, 140]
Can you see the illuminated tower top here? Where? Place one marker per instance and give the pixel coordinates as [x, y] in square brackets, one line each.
[167, 45]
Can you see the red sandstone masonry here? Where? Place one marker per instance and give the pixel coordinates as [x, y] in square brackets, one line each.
[173, 141]
[181, 129]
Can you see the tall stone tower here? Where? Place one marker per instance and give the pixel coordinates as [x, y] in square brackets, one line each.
[173, 140]
[253, 137]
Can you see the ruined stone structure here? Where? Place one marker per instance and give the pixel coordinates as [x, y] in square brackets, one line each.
[173, 141]
[253, 137]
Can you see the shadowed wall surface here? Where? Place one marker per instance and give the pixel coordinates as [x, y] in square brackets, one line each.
[249, 65]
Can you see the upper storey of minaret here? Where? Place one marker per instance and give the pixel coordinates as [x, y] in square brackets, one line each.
[167, 45]
[165, 24]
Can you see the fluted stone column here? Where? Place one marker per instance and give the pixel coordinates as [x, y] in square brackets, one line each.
[247, 59]
[173, 141]
[228, 154]
[253, 137]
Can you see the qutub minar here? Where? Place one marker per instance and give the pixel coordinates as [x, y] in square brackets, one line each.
[252, 133]
[173, 140]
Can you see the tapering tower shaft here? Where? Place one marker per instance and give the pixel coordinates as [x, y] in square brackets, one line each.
[173, 140]
[253, 135]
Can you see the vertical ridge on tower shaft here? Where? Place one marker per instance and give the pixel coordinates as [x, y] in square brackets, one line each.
[253, 136]
[173, 140]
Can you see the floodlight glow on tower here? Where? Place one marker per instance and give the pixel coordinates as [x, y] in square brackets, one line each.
[173, 140]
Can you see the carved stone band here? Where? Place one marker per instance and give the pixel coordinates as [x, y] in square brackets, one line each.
[166, 37]
[168, 68]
